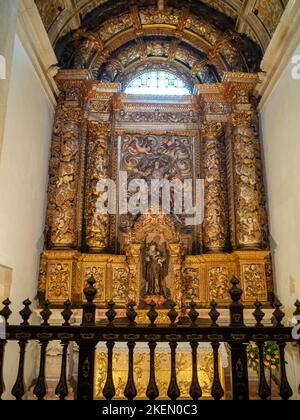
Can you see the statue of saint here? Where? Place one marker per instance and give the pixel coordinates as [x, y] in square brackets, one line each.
[155, 267]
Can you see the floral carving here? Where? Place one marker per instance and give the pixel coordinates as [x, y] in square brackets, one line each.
[97, 223]
[255, 281]
[59, 280]
[218, 280]
[64, 167]
[215, 222]
[120, 284]
[192, 283]
[246, 154]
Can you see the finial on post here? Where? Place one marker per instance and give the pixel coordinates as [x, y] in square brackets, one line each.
[236, 308]
[89, 308]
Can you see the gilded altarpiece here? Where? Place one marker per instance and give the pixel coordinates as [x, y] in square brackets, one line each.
[100, 132]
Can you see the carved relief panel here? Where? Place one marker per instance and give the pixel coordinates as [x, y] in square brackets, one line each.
[97, 223]
[158, 157]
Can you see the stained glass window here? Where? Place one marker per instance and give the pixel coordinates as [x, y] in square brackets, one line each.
[157, 83]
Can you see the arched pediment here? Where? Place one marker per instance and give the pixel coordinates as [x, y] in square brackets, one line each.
[198, 45]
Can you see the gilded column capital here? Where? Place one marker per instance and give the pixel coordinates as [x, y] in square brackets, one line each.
[212, 129]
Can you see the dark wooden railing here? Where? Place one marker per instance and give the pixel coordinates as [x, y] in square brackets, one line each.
[89, 334]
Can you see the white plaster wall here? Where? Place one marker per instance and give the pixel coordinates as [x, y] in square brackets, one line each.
[280, 125]
[23, 184]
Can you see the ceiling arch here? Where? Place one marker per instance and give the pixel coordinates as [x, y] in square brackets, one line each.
[256, 18]
[115, 38]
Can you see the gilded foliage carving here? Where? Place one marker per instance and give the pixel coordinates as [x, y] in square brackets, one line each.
[218, 283]
[191, 280]
[64, 188]
[215, 223]
[255, 281]
[97, 223]
[91, 143]
[114, 26]
[120, 284]
[158, 115]
[64, 168]
[156, 157]
[246, 154]
[153, 16]
[162, 363]
[59, 281]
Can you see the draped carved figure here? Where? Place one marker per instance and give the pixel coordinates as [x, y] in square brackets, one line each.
[246, 154]
[64, 167]
[215, 215]
[97, 223]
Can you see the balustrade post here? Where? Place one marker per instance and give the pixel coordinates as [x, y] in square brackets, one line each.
[87, 346]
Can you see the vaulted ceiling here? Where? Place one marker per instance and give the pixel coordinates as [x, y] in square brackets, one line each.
[200, 39]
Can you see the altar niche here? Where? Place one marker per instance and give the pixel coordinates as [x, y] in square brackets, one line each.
[212, 134]
[154, 254]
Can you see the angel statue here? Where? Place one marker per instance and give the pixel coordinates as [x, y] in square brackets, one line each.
[155, 270]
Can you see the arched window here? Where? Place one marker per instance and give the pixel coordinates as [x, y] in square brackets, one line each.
[158, 83]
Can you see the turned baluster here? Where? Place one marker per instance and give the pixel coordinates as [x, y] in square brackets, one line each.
[62, 390]
[109, 390]
[130, 390]
[18, 390]
[264, 390]
[217, 390]
[40, 389]
[152, 390]
[2, 351]
[285, 389]
[195, 389]
[5, 314]
[173, 391]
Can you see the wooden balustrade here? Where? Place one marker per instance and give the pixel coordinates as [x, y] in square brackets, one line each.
[87, 335]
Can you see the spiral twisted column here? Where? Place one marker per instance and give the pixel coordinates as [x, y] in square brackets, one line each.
[248, 182]
[215, 214]
[97, 223]
[62, 229]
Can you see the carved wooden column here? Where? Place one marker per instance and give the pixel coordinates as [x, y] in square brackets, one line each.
[64, 183]
[215, 214]
[96, 223]
[247, 177]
